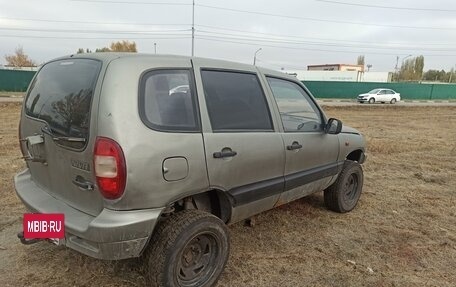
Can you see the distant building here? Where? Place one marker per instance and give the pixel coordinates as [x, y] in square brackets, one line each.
[336, 67]
[340, 76]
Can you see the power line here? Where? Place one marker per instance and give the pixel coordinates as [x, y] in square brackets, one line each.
[323, 20]
[315, 38]
[318, 50]
[90, 22]
[386, 7]
[272, 40]
[136, 3]
[94, 38]
[156, 32]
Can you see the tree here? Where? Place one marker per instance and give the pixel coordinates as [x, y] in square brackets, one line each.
[419, 66]
[360, 60]
[439, 76]
[120, 46]
[19, 59]
[123, 46]
[412, 69]
[82, 51]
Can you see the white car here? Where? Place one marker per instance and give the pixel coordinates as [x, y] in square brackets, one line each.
[380, 95]
[179, 89]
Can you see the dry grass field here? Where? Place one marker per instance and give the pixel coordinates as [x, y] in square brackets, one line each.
[402, 233]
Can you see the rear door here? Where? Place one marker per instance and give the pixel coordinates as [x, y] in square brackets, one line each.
[310, 153]
[244, 152]
[57, 131]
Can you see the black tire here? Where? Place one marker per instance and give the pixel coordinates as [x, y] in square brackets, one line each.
[393, 101]
[343, 195]
[189, 248]
[371, 100]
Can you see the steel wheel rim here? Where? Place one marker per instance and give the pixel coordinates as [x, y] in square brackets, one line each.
[351, 187]
[198, 260]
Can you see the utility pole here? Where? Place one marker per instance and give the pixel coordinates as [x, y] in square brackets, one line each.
[193, 28]
[155, 48]
[254, 56]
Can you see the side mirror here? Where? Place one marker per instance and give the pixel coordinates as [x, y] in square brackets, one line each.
[334, 126]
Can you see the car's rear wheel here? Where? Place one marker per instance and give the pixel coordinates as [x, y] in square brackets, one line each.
[393, 101]
[343, 195]
[371, 100]
[189, 248]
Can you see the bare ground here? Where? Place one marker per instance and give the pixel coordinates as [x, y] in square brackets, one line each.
[402, 233]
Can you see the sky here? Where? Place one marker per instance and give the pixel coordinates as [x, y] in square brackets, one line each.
[291, 33]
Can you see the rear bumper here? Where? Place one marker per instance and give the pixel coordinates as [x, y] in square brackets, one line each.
[111, 235]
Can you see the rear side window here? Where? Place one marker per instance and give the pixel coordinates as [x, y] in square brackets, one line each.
[235, 101]
[61, 95]
[167, 100]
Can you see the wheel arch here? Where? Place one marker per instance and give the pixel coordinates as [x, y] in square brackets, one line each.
[356, 155]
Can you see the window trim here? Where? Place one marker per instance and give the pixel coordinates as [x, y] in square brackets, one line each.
[307, 92]
[101, 71]
[192, 86]
[272, 129]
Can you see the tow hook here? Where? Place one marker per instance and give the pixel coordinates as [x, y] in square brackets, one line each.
[25, 241]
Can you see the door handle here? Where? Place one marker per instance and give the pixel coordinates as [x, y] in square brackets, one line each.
[80, 182]
[222, 154]
[294, 145]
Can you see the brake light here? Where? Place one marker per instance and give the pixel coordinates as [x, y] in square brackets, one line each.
[110, 168]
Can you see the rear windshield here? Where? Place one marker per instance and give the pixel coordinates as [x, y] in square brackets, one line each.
[61, 95]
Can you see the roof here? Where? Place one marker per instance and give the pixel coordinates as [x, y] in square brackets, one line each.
[108, 56]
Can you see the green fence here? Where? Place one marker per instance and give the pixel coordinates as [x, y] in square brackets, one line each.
[345, 90]
[18, 81]
[15, 81]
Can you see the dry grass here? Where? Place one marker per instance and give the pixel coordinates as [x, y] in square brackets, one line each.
[402, 233]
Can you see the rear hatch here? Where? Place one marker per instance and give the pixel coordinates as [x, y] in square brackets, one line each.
[57, 131]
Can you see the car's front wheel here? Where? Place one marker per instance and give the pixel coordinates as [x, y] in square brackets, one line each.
[189, 248]
[393, 101]
[343, 195]
[371, 100]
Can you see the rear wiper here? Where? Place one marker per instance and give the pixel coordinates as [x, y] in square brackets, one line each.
[47, 131]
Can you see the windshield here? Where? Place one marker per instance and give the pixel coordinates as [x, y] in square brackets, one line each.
[375, 91]
[61, 95]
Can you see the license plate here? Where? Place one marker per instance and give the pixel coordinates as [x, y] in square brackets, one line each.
[45, 226]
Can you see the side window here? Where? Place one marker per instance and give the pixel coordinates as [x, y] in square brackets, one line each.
[167, 100]
[297, 110]
[383, 92]
[235, 101]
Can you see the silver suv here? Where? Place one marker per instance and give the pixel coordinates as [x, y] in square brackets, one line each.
[152, 156]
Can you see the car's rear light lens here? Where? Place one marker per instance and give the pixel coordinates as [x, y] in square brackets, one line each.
[110, 168]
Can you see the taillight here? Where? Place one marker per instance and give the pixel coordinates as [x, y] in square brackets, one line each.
[110, 168]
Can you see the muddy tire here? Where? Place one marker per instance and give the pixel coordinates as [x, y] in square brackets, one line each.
[371, 101]
[343, 195]
[189, 248]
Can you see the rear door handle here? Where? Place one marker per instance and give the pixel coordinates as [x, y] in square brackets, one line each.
[80, 182]
[222, 154]
[294, 145]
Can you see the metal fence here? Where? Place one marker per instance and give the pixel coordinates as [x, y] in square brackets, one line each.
[18, 81]
[408, 91]
[15, 81]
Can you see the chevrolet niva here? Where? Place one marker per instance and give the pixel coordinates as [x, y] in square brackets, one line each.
[152, 156]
